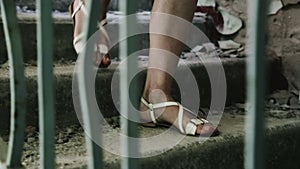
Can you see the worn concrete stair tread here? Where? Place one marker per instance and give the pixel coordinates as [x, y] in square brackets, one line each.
[224, 151]
[234, 71]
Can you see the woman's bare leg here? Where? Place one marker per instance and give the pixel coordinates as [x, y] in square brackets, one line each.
[80, 17]
[158, 83]
[103, 57]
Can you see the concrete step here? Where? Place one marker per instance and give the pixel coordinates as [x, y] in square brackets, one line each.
[234, 69]
[63, 35]
[173, 150]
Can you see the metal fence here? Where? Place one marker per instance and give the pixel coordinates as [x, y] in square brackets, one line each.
[255, 75]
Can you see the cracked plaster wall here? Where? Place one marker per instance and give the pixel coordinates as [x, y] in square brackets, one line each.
[284, 35]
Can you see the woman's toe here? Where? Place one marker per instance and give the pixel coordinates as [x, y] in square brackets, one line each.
[207, 130]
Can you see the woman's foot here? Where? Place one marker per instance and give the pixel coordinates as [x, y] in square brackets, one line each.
[171, 115]
[78, 12]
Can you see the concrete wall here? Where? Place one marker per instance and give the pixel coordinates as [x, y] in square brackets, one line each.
[284, 35]
[285, 41]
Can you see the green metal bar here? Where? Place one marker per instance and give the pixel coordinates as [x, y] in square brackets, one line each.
[45, 84]
[17, 83]
[256, 67]
[84, 72]
[129, 126]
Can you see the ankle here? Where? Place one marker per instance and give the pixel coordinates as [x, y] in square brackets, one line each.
[157, 95]
[76, 3]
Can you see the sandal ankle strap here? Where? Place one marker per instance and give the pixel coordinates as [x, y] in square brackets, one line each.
[79, 7]
[152, 106]
[102, 23]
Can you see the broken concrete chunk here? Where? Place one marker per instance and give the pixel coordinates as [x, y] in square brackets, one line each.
[232, 24]
[275, 6]
[243, 106]
[206, 3]
[206, 49]
[280, 96]
[228, 44]
[233, 55]
[230, 51]
[296, 94]
[209, 47]
[239, 6]
[143, 58]
[201, 54]
[189, 55]
[197, 48]
[287, 2]
[241, 49]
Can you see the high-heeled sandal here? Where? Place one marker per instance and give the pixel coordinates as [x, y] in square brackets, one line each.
[190, 128]
[79, 43]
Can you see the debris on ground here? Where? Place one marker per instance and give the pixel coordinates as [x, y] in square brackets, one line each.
[275, 6]
[228, 44]
[284, 98]
[225, 22]
[226, 49]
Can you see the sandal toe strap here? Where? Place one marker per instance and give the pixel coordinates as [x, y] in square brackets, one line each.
[191, 126]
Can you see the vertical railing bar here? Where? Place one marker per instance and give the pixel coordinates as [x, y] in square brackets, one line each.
[17, 83]
[45, 84]
[256, 88]
[129, 148]
[94, 151]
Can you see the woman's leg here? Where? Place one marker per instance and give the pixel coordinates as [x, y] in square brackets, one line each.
[80, 16]
[158, 83]
[104, 9]
[103, 57]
